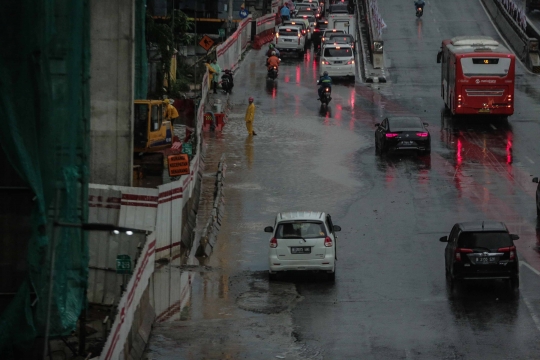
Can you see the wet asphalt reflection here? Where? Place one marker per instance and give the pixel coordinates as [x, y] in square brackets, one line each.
[390, 299]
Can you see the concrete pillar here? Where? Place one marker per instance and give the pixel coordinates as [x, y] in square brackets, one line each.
[112, 79]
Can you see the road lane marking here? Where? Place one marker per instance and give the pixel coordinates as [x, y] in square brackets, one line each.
[528, 158]
[523, 263]
[531, 311]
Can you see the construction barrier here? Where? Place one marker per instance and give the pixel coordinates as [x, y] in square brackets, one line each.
[230, 52]
[265, 26]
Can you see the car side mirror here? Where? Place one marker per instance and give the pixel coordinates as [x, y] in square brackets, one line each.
[535, 180]
[426, 124]
[337, 228]
[514, 237]
[439, 57]
[444, 239]
[268, 229]
[377, 124]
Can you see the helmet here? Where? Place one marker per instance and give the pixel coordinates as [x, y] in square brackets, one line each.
[250, 99]
[271, 46]
[171, 101]
[325, 73]
[273, 53]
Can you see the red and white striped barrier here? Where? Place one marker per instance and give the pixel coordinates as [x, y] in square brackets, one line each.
[265, 30]
[230, 52]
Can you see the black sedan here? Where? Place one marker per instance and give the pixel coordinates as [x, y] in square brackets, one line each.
[402, 133]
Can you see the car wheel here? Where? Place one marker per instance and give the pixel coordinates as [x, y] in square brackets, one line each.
[514, 283]
[272, 276]
[377, 149]
[332, 275]
[537, 207]
[451, 282]
[427, 151]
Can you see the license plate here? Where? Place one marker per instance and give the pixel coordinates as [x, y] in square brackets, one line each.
[486, 260]
[484, 110]
[407, 142]
[338, 62]
[289, 40]
[301, 250]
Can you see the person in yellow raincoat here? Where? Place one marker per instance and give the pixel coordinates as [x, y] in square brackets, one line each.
[211, 72]
[250, 116]
[172, 113]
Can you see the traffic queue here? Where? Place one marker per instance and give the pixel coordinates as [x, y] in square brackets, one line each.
[328, 25]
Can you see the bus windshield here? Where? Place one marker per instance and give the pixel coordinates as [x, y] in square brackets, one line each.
[485, 66]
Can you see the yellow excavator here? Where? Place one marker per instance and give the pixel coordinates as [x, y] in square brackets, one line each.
[153, 132]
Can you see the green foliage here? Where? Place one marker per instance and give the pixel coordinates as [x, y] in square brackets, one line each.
[166, 34]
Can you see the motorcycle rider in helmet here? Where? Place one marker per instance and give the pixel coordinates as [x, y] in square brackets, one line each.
[270, 49]
[324, 81]
[272, 61]
[419, 4]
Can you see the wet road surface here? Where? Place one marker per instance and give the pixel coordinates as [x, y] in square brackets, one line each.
[390, 299]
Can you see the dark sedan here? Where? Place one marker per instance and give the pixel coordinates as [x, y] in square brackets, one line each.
[402, 133]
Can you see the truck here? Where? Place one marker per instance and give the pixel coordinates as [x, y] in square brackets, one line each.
[345, 22]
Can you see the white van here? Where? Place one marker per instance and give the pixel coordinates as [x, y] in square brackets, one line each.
[302, 241]
[337, 60]
[289, 38]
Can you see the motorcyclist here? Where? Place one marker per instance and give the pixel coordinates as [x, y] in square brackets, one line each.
[324, 81]
[270, 49]
[228, 75]
[419, 4]
[285, 12]
[272, 61]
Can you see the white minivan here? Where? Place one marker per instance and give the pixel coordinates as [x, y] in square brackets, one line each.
[303, 241]
[337, 60]
[289, 38]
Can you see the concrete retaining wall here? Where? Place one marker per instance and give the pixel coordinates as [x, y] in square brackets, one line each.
[526, 48]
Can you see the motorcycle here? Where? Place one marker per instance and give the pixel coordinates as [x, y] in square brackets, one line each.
[272, 73]
[326, 95]
[419, 12]
[226, 82]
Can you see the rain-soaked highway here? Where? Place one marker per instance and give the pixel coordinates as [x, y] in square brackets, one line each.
[390, 299]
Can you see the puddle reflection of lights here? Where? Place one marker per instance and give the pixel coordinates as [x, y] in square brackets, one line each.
[287, 78]
[274, 92]
[298, 75]
[509, 148]
[459, 157]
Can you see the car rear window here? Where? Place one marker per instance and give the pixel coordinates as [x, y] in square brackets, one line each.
[340, 38]
[334, 52]
[404, 123]
[322, 25]
[301, 229]
[288, 32]
[487, 240]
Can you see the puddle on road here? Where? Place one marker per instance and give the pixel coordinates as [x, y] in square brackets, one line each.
[268, 298]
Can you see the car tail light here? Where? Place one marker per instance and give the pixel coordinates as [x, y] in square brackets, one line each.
[350, 62]
[325, 62]
[273, 242]
[422, 134]
[391, 135]
[459, 251]
[328, 242]
[277, 35]
[315, 30]
[511, 250]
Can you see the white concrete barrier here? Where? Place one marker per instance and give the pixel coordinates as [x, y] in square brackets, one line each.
[230, 52]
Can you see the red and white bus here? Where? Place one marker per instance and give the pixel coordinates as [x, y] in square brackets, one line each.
[477, 76]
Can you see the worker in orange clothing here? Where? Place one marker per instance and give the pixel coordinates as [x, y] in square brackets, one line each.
[250, 116]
